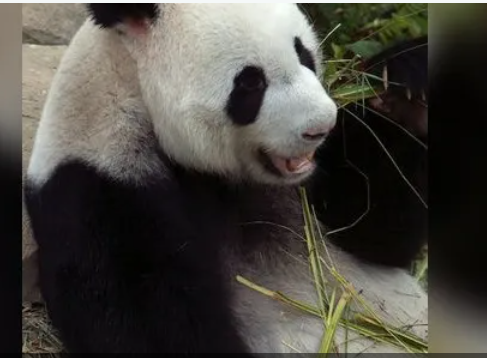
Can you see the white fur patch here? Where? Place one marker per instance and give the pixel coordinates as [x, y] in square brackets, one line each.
[94, 112]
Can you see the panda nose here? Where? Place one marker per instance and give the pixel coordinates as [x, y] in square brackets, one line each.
[315, 133]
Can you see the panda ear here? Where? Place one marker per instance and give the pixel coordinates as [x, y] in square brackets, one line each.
[133, 16]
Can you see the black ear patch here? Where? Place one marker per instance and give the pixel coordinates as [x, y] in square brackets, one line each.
[109, 15]
[305, 56]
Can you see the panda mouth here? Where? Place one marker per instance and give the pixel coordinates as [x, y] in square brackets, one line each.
[288, 166]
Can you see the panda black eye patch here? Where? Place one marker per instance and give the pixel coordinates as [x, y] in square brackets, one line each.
[244, 103]
[305, 56]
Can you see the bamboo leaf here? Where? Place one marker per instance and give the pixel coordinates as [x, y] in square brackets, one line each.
[365, 48]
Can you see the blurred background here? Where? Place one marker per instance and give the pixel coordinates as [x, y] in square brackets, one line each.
[367, 29]
[10, 171]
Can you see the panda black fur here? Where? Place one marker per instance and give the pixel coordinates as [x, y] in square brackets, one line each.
[151, 186]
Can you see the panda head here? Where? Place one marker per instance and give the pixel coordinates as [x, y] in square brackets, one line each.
[232, 89]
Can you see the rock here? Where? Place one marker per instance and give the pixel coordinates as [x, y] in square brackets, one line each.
[39, 63]
[51, 24]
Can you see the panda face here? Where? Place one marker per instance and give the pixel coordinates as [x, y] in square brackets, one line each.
[234, 89]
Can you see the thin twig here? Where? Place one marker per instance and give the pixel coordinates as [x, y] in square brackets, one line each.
[393, 161]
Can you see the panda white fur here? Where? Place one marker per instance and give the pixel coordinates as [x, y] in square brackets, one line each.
[163, 168]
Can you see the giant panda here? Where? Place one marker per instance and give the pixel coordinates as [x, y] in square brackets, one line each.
[168, 162]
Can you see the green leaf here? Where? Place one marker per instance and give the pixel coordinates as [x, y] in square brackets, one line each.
[338, 51]
[365, 48]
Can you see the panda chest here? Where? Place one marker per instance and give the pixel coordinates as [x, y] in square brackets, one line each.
[258, 234]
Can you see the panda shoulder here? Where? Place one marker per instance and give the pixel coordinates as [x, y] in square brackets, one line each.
[94, 113]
